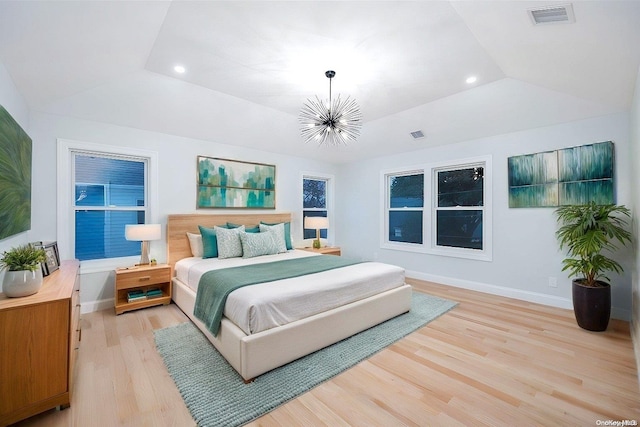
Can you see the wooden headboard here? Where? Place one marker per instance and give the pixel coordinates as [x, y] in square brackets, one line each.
[178, 225]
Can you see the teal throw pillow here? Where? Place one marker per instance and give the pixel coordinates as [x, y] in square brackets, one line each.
[255, 229]
[209, 242]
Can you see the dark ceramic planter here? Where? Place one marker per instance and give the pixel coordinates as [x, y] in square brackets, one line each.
[592, 306]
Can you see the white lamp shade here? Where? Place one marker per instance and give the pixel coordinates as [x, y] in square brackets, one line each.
[316, 222]
[142, 232]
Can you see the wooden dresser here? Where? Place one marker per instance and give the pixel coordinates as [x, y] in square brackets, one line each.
[39, 340]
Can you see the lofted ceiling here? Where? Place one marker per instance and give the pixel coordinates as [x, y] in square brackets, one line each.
[251, 65]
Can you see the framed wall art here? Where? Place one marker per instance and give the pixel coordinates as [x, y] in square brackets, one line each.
[15, 177]
[225, 183]
[569, 176]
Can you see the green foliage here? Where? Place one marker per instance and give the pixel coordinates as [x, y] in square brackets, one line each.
[587, 230]
[25, 257]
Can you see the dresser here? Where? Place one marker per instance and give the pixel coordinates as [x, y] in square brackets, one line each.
[39, 340]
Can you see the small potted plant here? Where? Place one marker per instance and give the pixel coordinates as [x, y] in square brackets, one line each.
[23, 275]
[586, 231]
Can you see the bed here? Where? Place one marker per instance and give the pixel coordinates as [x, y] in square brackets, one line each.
[253, 350]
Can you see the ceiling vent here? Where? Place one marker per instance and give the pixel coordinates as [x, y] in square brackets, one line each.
[559, 14]
[417, 134]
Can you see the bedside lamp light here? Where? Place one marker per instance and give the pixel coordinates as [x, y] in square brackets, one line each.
[143, 233]
[317, 222]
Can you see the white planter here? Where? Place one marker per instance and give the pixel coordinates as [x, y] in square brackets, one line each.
[21, 283]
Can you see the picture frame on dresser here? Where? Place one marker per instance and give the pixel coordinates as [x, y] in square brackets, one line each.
[52, 263]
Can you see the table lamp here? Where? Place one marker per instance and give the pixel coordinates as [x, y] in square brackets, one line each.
[143, 233]
[317, 222]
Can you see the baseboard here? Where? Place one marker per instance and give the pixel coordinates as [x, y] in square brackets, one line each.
[635, 339]
[91, 306]
[520, 294]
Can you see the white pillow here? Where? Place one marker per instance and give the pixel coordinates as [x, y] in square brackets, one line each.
[195, 241]
[278, 232]
[229, 244]
[257, 244]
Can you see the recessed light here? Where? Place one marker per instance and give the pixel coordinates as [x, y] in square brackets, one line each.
[471, 79]
[179, 69]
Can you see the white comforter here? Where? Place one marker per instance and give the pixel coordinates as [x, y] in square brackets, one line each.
[256, 308]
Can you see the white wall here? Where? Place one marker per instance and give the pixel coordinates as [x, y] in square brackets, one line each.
[177, 180]
[13, 102]
[525, 251]
[635, 179]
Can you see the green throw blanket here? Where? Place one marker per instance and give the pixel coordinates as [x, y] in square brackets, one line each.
[215, 286]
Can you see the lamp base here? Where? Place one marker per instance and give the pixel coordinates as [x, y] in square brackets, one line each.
[144, 253]
[316, 244]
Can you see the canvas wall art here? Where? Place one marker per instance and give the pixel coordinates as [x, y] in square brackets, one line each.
[224, 183]
[15, 177]
[586, 174]
[533, 180]
[570, 176]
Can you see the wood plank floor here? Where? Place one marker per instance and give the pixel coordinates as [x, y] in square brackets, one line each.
[491, 361]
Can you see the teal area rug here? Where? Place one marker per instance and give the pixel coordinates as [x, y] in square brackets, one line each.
[216, 395]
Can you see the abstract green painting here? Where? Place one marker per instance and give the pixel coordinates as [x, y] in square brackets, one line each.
[15, 177]
[224, 183]
[586, 174]
[570, 176]
[533, 180]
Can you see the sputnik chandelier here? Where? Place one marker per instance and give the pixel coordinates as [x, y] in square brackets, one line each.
[335, 123]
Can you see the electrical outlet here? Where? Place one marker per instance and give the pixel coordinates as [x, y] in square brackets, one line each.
[553, 282]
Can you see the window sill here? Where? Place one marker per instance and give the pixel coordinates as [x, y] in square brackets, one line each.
[456, 253]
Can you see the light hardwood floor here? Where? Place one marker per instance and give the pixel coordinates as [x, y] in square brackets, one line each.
[490, 361]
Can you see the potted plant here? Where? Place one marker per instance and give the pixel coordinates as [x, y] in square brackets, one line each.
[23, 275]
[586, 231]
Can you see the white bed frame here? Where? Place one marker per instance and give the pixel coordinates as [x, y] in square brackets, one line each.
[253, 355]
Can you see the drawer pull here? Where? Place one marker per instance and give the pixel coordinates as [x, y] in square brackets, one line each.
[143, 278]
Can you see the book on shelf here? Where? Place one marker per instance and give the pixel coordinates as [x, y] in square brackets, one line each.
[136, 295]
[154, 293]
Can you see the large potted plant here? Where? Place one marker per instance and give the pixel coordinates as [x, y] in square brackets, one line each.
[23, 275]
[587, 231]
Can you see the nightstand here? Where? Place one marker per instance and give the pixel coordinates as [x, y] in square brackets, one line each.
[141, 280]
[327, 250]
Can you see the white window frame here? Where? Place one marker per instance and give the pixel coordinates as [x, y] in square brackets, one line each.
[486, 253]
[65, 206]
[429, 210]
[385, 243]
[331, 232]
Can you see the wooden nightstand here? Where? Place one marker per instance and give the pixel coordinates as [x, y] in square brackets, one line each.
[142, 278]
[327, 250]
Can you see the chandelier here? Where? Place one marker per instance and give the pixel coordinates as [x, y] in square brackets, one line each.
[335, 123]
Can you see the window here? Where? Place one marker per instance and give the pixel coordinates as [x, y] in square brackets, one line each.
[109, 192]
[406, 207]
[314, 203]
[456, 220]
[101, 189]
[459, 207]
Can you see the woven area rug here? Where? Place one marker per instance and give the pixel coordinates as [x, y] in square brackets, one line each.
[216, 395]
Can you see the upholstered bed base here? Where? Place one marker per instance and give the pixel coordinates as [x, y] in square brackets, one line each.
[253, 355]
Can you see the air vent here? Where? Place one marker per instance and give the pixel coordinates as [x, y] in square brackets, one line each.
[560, 14]
[417, 134]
